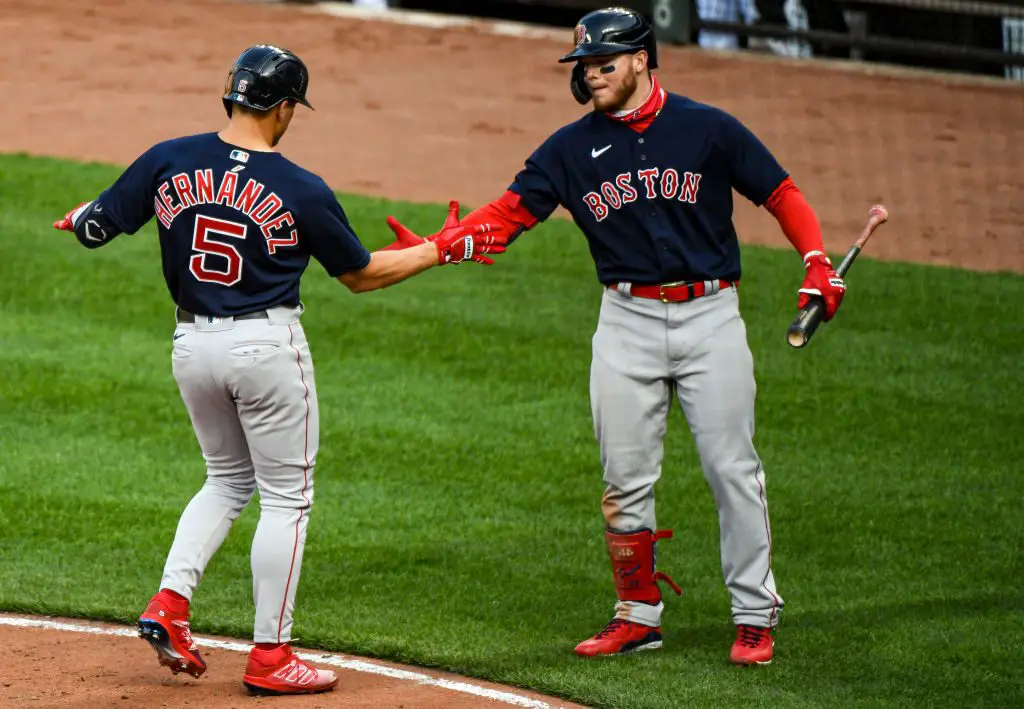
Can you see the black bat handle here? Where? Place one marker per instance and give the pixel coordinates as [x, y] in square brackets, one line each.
[806, 322]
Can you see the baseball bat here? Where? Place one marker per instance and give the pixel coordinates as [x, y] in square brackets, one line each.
[812, 314]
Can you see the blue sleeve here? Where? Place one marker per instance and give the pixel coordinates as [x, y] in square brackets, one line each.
[537, 183]
[329, 237]
[753, 170]
[128, 203]
[93, 227]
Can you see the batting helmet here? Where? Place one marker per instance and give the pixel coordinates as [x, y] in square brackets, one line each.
[264, 76]
[613, 30]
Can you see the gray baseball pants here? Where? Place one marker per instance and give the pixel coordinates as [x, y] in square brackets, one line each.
[644, 351]
[249, 389]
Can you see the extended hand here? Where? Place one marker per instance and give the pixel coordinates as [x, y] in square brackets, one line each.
[67, 223]
[823, 282]
[455, 243]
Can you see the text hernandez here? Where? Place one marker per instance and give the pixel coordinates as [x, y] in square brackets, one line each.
[190, 191]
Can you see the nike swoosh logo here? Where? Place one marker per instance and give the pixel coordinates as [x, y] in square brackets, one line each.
[595, 153]
[179, 335]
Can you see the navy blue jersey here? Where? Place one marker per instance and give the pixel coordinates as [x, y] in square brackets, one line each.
[237, 227]
[656, 206]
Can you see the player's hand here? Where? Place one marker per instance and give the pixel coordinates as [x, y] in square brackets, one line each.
[455, 243]
[823, 282]
[404, 238]
[67, 223]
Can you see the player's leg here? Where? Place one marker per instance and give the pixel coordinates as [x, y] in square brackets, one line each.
[278, 406]
[714, 370]
[230, 480]
[277, 400]
[207, 518]
[630, 398]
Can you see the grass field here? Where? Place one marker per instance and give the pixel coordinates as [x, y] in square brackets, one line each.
[458, 523]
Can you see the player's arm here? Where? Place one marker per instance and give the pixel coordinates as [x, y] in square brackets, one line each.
[529, 200]
[506, 217]
[508, 213]
[757, 175]
[123, 208]
[451, 245]
[89, 224]
[335, 245]
[533, 196]
[803, 230]
[386, 268]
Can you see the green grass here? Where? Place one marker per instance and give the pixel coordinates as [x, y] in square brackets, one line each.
[458, 523]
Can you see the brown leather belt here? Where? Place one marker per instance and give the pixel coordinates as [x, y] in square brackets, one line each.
[677, 292]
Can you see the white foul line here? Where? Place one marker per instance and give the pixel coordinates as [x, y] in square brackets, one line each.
[319, 658]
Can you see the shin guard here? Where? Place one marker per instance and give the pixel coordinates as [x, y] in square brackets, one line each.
[633, 560]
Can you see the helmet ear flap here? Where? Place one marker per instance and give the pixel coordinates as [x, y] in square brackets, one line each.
[578, 84]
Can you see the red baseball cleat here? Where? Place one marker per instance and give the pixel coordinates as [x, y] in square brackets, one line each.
[280, 671]
[168, 633]
[621, 636]
[753, 646]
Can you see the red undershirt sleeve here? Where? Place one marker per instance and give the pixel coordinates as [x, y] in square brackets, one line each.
[507, 212]
[796, 217]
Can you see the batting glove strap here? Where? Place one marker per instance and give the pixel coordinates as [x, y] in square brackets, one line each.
[821, 282]
[817, 256]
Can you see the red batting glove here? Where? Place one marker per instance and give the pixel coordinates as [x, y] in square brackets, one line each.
[67, 223]
[821, 282]
[455, 243]
[405, 238]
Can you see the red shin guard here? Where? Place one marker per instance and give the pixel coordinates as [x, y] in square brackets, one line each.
[633, 558]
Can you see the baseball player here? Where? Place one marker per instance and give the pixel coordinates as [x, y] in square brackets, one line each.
[238, 223]
[648, 178]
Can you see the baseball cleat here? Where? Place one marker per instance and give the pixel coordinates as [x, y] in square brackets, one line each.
[169, 635]
[619, 637]
[280, 671]
[754, 647]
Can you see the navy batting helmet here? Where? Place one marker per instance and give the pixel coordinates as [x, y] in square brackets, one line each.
[264, 76]
[613, 30]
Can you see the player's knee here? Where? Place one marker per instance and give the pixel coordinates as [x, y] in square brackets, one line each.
[291, 497]
[630, 470]
[234, 470]
[238, 491]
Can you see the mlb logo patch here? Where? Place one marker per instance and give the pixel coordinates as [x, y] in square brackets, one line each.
[239, 155]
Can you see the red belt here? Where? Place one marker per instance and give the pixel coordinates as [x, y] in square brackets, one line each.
[678, 292]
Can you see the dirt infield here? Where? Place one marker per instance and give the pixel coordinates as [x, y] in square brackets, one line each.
[429, 115]
[114, 669]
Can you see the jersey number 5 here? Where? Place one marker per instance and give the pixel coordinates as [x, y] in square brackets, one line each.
[206, 246]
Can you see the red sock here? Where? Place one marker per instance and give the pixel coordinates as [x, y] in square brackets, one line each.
[268, 646]
[176, 602]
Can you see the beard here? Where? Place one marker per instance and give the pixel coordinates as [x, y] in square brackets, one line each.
[611, 101]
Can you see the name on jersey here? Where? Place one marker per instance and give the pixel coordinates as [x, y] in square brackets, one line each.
[653, 182]
[184, 190]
